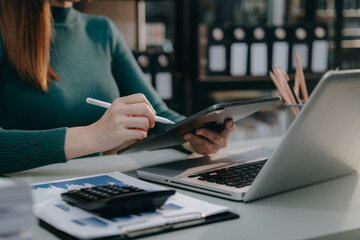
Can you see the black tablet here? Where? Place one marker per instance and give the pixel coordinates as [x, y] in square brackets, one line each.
[212, 117]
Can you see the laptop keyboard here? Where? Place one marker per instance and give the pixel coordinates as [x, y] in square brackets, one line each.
[237, 176]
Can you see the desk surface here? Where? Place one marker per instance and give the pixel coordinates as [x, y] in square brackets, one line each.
[328, 210]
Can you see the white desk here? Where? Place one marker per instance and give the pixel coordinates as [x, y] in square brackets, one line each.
[329, 210]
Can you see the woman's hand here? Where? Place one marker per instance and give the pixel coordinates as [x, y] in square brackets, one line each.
[128, 119]
[206, 141]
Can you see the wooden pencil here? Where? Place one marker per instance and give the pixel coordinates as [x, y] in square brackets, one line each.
[282, 92]
[283, 79]
[303, 86]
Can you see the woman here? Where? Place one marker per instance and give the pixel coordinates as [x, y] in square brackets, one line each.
[47, 70]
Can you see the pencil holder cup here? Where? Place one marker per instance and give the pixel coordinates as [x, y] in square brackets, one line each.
[292, 110]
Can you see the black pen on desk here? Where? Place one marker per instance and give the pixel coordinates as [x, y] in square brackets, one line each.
[107, 105]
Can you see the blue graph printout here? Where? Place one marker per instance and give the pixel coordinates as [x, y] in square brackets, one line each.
[95, 181]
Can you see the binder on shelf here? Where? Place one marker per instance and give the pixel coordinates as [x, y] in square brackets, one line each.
[320, 49]
[301, 43]
[258, 52]
[217, 51]
[279, 49]
[143, 59]
[239, 49]
[163, 76]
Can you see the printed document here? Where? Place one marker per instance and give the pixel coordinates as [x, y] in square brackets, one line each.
[79, 223]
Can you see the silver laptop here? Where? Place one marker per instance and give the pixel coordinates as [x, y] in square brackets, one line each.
[322, 143]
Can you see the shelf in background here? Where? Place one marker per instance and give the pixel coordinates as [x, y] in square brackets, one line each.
[231, 79]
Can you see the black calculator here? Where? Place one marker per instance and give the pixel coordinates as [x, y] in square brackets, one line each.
[114, 201]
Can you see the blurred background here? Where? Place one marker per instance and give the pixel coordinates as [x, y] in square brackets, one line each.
[200, 52]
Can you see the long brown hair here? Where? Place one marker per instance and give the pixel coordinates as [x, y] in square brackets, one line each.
[26, 31]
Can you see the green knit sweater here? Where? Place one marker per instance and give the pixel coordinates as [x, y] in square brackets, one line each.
[92, 60]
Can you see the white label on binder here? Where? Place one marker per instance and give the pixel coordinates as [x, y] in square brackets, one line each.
[303, 50]
[258, 56]
[319, 56]
[280, 55]
[238, 61]
[217, 58]
[148, 78]
[163, 85]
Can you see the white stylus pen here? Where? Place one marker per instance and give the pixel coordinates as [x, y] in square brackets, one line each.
[107, 105]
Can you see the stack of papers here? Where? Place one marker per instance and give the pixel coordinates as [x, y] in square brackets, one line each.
[61, 217]
[16, 215]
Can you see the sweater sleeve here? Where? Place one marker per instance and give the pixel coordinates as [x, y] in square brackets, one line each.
[130, 78]
[21, 150]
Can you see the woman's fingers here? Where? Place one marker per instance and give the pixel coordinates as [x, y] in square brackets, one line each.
[212, 136]
[229, 128]
[230, 125]
[128, 119]
[134, 105]
[137, 123]
[135, 134]
[201, 145]
[207, 141]
[219, 138]
[141, 110]
[134, 98]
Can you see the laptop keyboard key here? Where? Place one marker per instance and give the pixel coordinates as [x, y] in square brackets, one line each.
[235, 176]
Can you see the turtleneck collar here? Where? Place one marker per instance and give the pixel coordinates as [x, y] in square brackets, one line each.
[64, 16]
